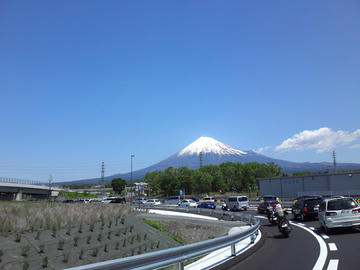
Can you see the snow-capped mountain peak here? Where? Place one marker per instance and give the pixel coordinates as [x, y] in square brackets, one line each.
[210, 145]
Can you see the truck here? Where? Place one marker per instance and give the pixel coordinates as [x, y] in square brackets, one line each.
[236, 203]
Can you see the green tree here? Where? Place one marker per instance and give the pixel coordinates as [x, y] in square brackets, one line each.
[118, 185]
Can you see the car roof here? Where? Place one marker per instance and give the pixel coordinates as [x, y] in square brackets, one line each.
[336, 198]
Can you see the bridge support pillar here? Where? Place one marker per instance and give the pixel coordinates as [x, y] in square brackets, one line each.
[181, 265]
[18, 196]
[233, 251]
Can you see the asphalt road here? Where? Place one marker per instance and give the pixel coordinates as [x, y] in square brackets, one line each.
[301, 250]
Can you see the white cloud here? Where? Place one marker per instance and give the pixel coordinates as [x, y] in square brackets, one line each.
[322, 140]
[355, 146]
[262, 149]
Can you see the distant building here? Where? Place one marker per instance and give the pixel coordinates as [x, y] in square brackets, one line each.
[347, 184]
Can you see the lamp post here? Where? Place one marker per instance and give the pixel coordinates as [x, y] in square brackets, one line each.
[131, 172]
[131, 176]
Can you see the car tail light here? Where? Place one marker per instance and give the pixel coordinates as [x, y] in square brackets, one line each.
[305, 209]
[355, 211]
[283, 223]
[330, 214]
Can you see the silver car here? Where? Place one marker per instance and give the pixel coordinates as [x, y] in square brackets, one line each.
[187, 203]
[339, 212]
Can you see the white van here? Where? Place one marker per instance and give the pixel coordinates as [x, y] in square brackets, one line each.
[236, 203]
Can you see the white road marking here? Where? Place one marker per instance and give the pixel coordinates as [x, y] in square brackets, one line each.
[312, 228]
[173, 213]
[333, 265]
[300, 224]
[332, 247]
[320, 262]
[324, 236]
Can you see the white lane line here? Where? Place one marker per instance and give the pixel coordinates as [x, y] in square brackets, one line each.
[332, 247]
[333, 265]
[300, 224]
[320, 262]
[324, 236]
[312, 228]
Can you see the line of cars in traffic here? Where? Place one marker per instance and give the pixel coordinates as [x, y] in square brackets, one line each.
[331, 212]
[233, 203]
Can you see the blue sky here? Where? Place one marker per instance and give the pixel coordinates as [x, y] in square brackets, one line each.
[83, 82]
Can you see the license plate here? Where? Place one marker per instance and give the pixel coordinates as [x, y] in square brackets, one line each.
[284, 226]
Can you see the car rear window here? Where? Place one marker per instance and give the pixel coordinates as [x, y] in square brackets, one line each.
[312, 202]
[341, 204]
[269, 198]
[232, 199]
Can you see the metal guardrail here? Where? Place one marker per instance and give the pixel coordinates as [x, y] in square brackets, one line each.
[178, 255]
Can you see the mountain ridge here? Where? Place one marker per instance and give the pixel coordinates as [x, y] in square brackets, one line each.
[214, 153]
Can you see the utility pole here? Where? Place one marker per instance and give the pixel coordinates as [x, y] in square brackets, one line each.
[50, 184]
[102, 178]
[201, 159]
[334, 160]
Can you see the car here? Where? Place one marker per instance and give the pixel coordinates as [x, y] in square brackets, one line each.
[138, 201]
[208, 199]
[269, 198]
[118, 200]
[151, 202]
[107, 200]
[187, 203]
[306, 207]
[209, 205]
[264, 205]
[236, 203]
[339, 212]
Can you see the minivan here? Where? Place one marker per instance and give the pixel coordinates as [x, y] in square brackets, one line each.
[236, 203]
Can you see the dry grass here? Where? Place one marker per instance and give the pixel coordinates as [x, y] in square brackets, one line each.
[20, 217]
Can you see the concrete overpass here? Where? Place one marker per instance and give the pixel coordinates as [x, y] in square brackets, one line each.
[16, 189]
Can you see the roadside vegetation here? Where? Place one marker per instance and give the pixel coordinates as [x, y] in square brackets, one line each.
[56, 235]
[226, 177]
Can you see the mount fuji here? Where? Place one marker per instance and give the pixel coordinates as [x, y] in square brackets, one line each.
[216, 152]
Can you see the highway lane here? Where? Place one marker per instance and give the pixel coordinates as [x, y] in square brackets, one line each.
[301, 249]
[342, 245]
[278, 252]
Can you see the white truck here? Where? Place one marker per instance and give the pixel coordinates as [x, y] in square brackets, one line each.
[236, 203]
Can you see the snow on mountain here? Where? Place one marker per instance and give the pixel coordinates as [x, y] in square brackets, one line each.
[215, 152]
[209, 145]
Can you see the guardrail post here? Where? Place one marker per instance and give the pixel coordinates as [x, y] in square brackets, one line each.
[181, 265]
[233, 251]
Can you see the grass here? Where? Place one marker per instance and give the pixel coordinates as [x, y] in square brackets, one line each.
[161, 227]
[37, 216]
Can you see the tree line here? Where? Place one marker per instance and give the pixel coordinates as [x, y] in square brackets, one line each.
[226, 177]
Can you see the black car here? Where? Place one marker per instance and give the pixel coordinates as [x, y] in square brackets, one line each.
[264, 205]
[118, 200]
[306, 207]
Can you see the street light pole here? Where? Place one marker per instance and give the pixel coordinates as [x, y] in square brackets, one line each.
[131, 176]
[131, 173]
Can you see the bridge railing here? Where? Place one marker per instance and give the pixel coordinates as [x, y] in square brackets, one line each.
[22, 181]
[178, 255]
